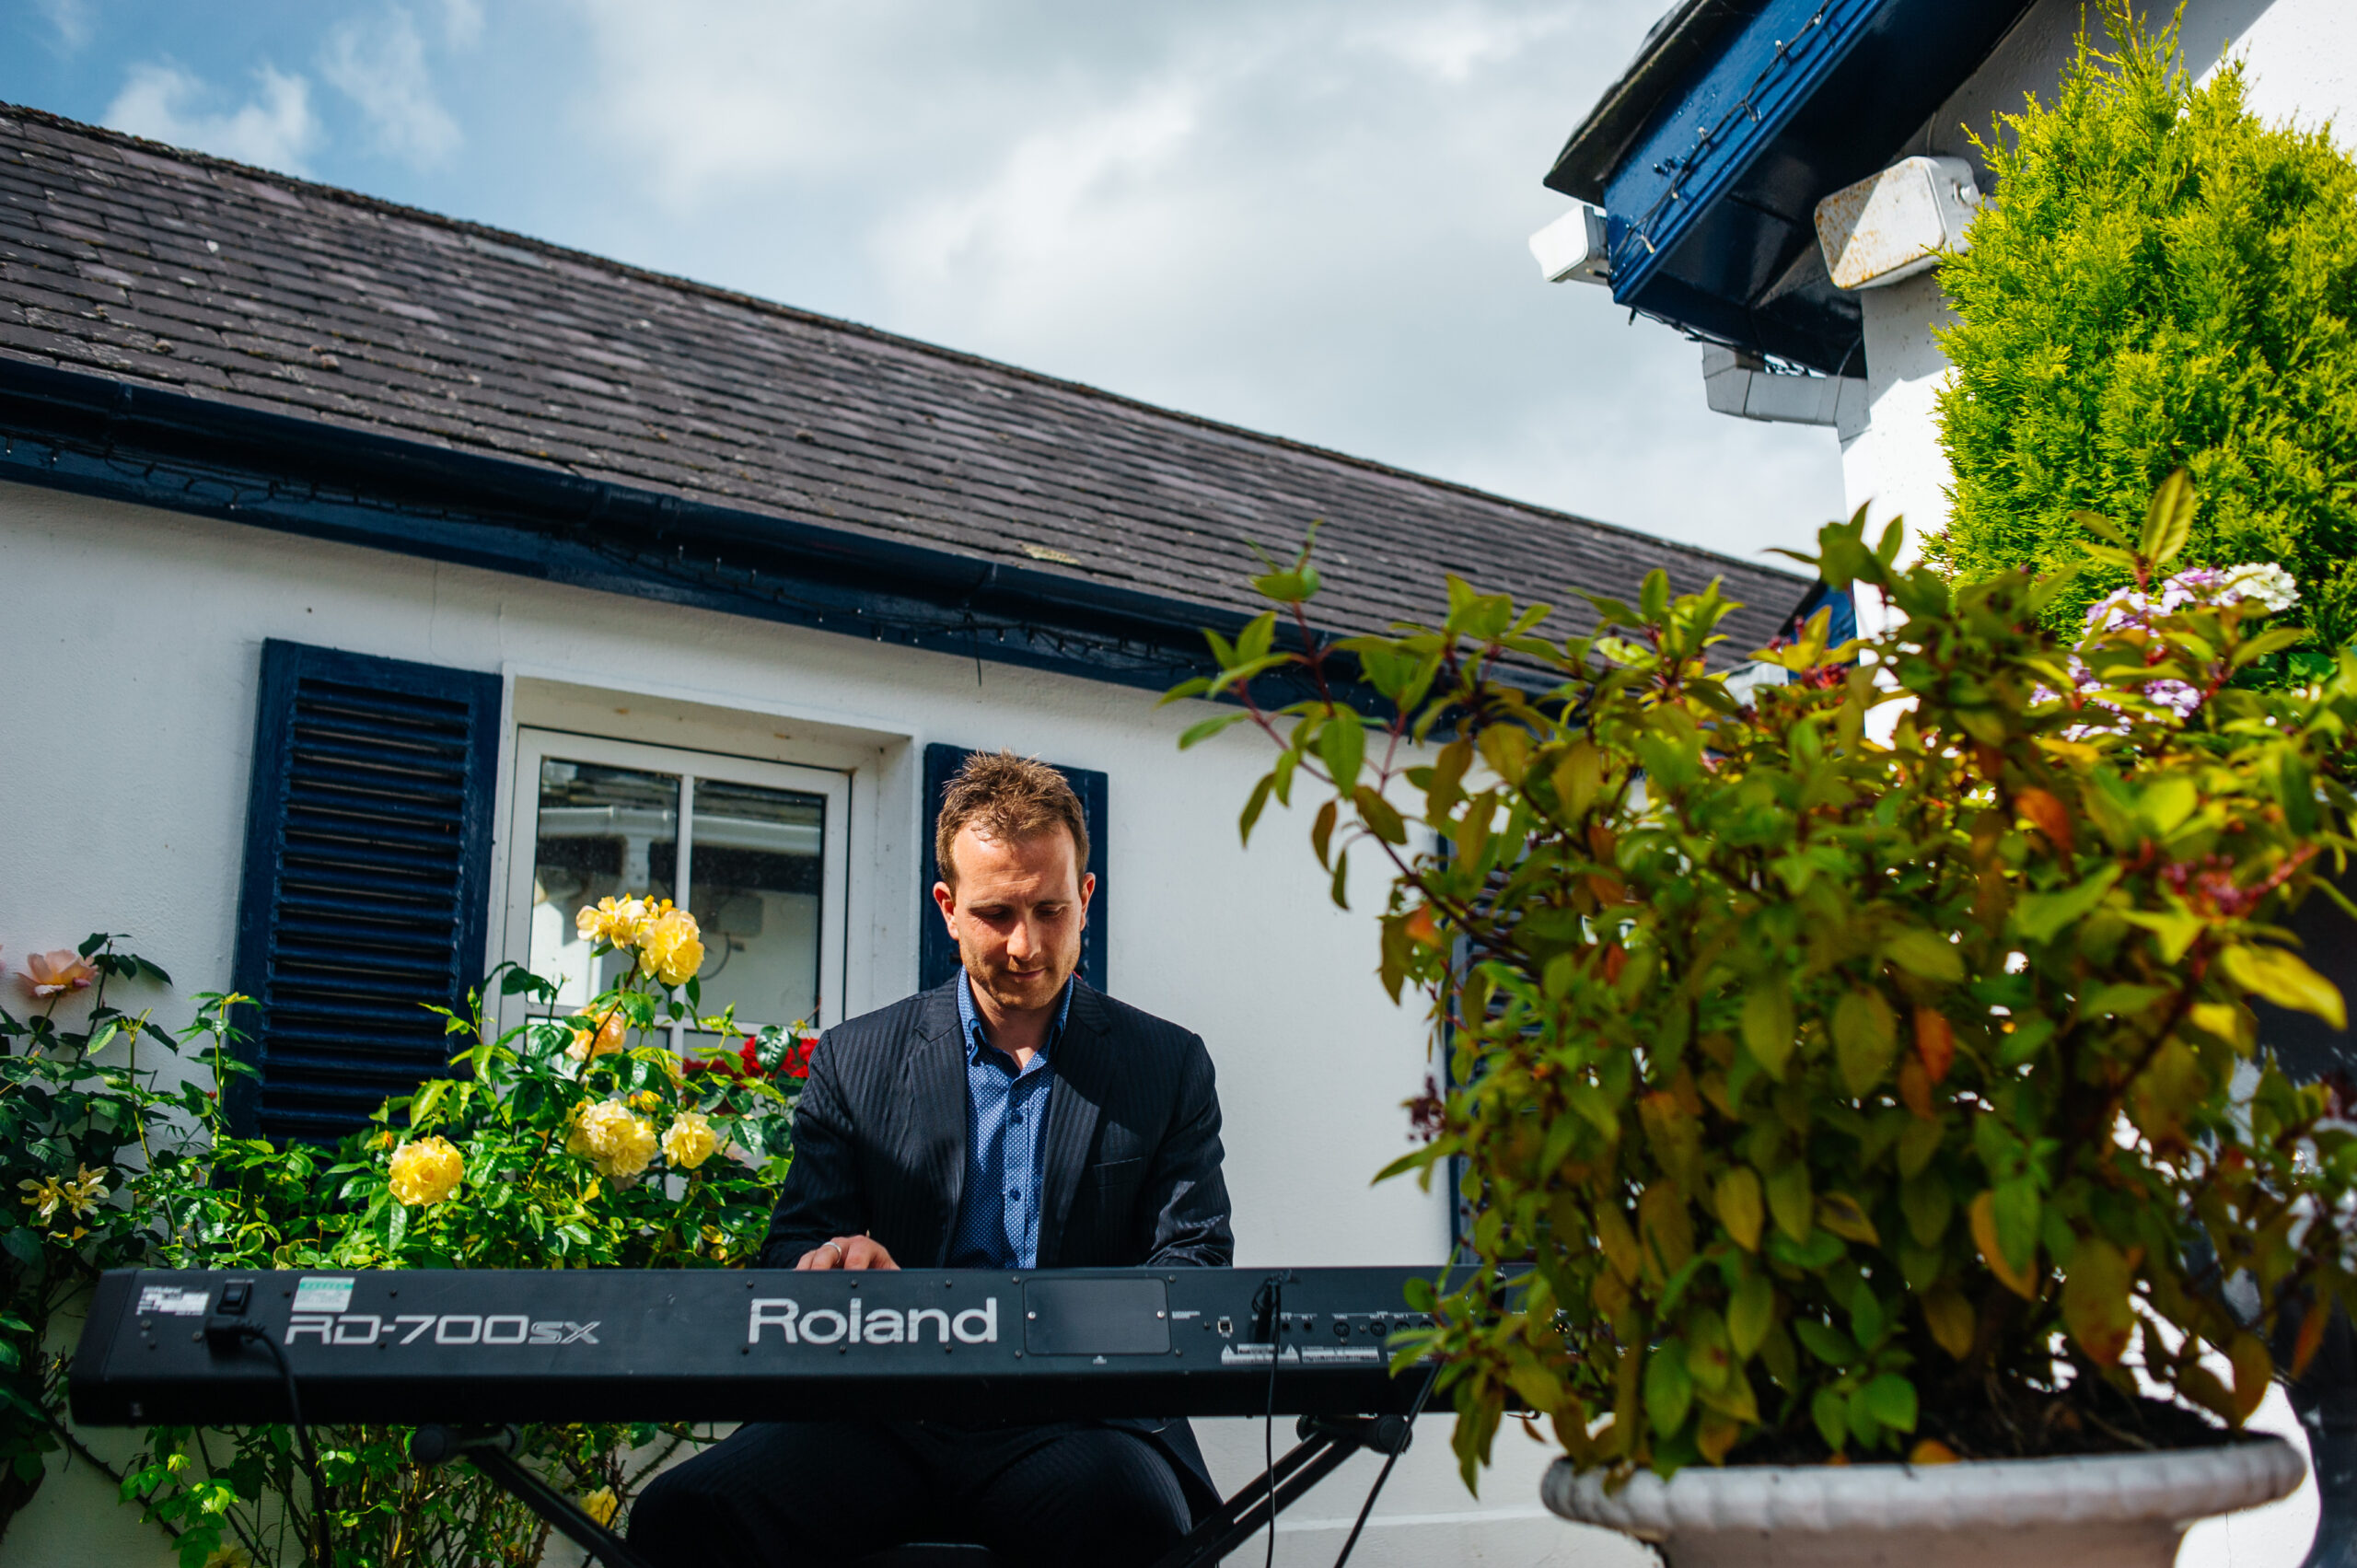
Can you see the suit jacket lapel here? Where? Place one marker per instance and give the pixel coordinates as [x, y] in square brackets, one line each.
[1073, 1109]
[934, 1141]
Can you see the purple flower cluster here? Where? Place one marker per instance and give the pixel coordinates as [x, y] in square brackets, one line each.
[2134, 610]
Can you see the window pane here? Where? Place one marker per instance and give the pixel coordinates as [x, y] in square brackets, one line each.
[604, 832]
[754, 884]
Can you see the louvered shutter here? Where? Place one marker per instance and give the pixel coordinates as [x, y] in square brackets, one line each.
[366, 879]
[936, 954]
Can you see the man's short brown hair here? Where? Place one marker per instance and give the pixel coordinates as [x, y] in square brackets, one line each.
[1004, 796]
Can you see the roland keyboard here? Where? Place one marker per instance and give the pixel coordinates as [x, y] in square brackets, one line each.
[494, 1346]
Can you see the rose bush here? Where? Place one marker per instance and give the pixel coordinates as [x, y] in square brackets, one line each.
[75, 1113]
[538, 1156]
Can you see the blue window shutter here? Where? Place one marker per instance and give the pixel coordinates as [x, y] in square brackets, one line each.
[936, 955]
[1841, 621]
[366, 881]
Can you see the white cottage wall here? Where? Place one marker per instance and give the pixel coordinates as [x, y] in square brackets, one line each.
[2301, 58]
[131, 641]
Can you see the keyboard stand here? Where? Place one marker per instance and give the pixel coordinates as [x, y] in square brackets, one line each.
[493, 1453]
[1327, 1442]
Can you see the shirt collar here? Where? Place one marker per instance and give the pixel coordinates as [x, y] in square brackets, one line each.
[970, 1021]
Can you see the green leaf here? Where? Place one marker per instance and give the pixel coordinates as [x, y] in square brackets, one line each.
[1737, 1199]
[2174, 930]
[1768, 1022]
[1253, 808]
[1866, 1318]
[1381, 819]
[1341, 745]
[2095, 522]
[1652, 596]
[2168, 521]
[1321, 831]
[2015, 1206]
[2167, 802]
[1923, 955]
[1865, 1039]
[1208, 727]
[2284, 978]
[1751, 1310]
[2040, 917]
[1830, 1413]
[1927, 1204]
[2096, 1305]
[1669, 1389]
[1890, 1400]
[1340, 889]
[1791, 1199]
[1823, 1341]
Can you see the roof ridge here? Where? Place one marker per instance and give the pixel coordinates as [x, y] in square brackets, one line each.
[468, 226]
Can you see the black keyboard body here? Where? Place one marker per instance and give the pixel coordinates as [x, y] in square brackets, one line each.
[490, 1346]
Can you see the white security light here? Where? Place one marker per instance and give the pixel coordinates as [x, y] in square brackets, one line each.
[1896, 223]
[1571, 250]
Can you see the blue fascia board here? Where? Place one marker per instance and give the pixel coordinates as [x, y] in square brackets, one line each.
[1711, 212]
[97, 435]
[1711, 131]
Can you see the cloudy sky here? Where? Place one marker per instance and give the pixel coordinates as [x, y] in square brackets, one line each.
[1306, 216]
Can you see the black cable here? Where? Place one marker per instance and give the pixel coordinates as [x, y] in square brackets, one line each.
[302, 1438]
[1389, 1459]
[1392, 1458]
[1268, 1307]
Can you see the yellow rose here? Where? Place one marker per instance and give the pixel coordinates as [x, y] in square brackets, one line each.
[617, 1142]
[426, 1170]
[229, 1557]
[618, 921]
[603, 1038]
[600, 1504]
[690, 1140]
[672, 950]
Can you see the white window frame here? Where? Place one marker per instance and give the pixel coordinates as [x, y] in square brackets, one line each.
[535, 744]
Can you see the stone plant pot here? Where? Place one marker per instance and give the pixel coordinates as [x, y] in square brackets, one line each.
[2098, 1511]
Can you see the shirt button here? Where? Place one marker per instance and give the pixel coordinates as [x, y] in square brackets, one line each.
[1014, 1196]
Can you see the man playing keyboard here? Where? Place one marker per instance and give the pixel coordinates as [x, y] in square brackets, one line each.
[1013, 1119]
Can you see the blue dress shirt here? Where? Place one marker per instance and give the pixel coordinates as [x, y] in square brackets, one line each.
[1007, 1108]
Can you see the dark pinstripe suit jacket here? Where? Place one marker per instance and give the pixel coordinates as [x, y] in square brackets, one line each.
[1133, 1150]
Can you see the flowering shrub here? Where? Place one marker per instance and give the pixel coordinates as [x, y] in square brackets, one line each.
[565, 1144]
[2161, 279]
[70, 1128]
[1849, 1096]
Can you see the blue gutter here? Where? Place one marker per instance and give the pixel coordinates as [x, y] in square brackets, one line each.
[100, 437]
[1709, 137]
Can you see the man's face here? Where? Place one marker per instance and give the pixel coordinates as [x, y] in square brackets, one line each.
[1016, 915]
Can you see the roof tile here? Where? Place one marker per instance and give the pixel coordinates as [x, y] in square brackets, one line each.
[319, 304]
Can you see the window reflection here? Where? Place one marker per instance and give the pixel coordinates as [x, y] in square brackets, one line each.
[755, 861]
[603, 833]
[751, 873]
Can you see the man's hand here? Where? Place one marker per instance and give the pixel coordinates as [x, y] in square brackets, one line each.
[848, 1252]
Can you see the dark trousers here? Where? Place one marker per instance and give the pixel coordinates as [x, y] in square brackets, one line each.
[783, 1494]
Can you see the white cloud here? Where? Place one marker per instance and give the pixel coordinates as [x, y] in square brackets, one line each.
[275, 129]
[70, 19]
[1306, 216]
[1452, 45]
[1061, 194]
[381, 65]
[462, 23]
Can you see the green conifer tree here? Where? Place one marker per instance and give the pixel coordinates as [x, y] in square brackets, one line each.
[2161, 281]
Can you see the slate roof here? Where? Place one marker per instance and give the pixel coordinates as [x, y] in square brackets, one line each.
[127, 260]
